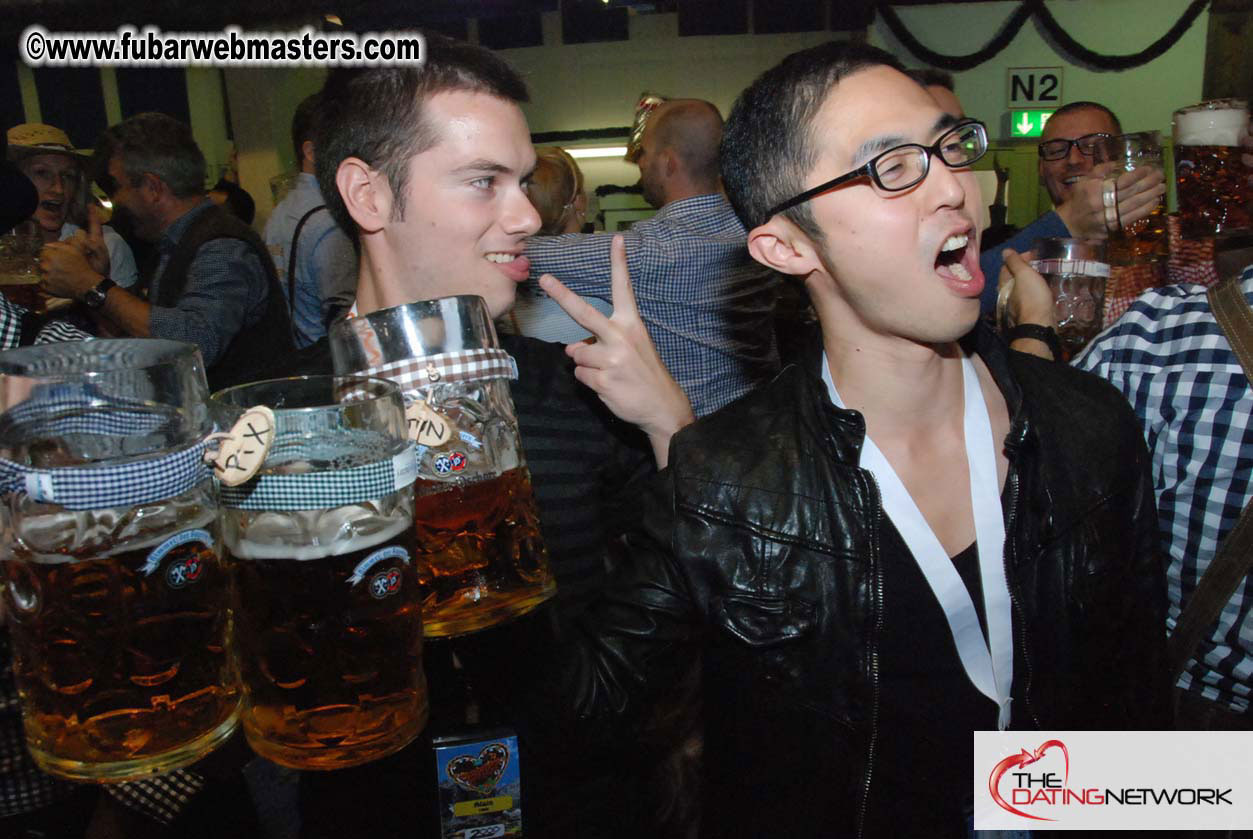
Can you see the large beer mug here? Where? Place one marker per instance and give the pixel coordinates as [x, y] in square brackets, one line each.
[1077, 272]
[328, 630]
[1145, 240]
[115, 593]
[1211, 181]
[19, 270]
[482, 559]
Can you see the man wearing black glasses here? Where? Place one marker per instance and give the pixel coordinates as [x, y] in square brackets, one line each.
[1070, 153]
[910, 535]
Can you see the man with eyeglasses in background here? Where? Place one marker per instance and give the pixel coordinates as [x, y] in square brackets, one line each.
[910, 535]
[1069, 151]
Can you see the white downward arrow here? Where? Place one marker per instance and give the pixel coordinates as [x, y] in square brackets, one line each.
[1024, 124]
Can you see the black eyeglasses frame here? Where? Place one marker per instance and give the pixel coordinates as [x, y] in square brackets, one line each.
[870, 170]
[1092, 140]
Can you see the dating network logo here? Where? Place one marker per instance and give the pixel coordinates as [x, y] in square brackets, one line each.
[1045, 781]
[1040, 779]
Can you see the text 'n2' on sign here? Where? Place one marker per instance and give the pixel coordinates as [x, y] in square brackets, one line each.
[1034, 87]
[1027, 123]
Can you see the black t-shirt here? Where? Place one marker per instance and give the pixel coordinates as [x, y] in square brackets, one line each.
[928, 707]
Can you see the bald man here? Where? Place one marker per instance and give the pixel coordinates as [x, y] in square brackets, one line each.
[707, 305]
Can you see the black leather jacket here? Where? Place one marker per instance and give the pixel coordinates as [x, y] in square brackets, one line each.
[759, 552]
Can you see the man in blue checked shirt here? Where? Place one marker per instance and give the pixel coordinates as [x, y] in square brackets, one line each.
[707, 305]
[1171, 360]
[1169, 357]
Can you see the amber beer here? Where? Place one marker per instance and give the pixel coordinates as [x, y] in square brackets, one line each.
[122, 662]
[1211, 181]
[1143, 241]
[482, 558]
[320, 541]
[330, 648]
[23, 290]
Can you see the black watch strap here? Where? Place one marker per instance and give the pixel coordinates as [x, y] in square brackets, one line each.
[94, 298]
[1044, 334]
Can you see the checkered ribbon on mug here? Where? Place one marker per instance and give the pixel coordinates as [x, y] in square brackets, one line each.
[1083, 267]
[109, 485]
[324, 490]
[461, 366]
[60, 412]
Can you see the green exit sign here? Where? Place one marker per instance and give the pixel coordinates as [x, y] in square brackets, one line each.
[1027, 123]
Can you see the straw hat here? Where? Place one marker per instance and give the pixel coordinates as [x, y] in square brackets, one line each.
[37, 138]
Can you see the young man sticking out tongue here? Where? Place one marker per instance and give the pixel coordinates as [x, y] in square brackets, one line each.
[913, 534]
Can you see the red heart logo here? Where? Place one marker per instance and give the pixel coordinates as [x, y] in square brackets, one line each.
[1024, 758]
[480, 774]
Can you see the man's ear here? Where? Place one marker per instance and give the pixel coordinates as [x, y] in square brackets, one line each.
[670, 162]
[306, 152]
[781, 245]
[153, 187]
[365, 194]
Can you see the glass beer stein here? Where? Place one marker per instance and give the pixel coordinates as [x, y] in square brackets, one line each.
[481, 556]
[1211, 181]
[115, 593]
[1145, 240]
[19, 270]
[1077, 272]
[320, 546]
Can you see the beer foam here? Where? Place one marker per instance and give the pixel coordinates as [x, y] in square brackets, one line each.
[317, 534]
[75, 536]
[1210, 127]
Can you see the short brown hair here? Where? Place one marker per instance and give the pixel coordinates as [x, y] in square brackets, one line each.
[376, 113]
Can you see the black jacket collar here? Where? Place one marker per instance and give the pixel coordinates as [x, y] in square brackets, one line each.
[851, 425]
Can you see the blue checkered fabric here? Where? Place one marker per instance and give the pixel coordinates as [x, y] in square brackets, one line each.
[162, 797]
[61, 409]
[109, 485]
[10, 324]
[708, 306]
[53, 332]
[324, 490]
[64, 410]
[1173, 363]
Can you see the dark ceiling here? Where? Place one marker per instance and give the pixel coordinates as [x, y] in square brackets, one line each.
[583, 20]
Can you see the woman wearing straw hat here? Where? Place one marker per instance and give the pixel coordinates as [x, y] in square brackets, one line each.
[46, 156]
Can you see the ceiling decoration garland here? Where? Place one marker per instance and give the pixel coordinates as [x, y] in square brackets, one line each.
[1060, 37]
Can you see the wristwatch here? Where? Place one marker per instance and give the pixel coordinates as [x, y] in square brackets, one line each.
[94, 298]
[1043, 334]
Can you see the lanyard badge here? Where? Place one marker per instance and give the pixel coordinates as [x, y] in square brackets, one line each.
[990, 668]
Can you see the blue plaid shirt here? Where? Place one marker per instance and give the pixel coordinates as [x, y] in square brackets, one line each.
[707, 305]
[1173, 363]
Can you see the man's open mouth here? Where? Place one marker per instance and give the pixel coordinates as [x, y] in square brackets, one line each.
[951, 255]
